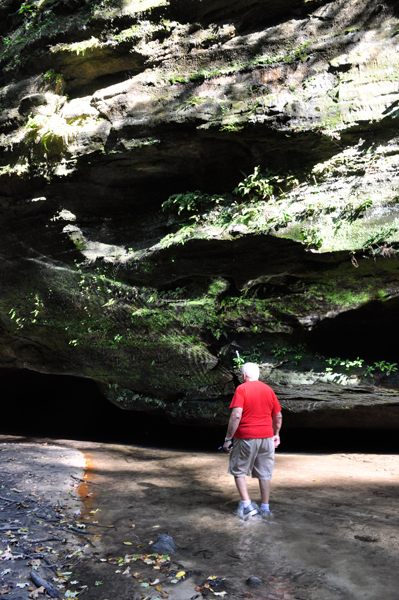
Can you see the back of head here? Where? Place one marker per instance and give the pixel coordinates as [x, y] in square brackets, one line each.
[251, 370]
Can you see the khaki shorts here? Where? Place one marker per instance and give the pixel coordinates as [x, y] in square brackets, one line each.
[253, 457]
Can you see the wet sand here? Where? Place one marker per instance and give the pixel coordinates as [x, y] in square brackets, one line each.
[333, 536]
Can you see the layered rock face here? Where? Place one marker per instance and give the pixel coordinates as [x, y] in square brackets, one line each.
[186, 185]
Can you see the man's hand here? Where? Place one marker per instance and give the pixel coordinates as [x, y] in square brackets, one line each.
[277, 421]
[228, 446]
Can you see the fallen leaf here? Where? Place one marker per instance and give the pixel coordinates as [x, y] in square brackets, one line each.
[7, 555]
[36, 593]
[180, 574]
[159, 588]
[35, 562]
[128, 543]
[212, 577]
[69, 594]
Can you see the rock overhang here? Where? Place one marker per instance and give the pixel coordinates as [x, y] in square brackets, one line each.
[315, 258]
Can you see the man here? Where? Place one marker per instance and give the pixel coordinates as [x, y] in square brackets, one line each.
[255, 423]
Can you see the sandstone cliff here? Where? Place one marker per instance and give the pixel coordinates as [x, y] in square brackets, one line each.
[184, 180]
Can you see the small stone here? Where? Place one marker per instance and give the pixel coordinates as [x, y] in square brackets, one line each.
[165, 544]
[254, 581]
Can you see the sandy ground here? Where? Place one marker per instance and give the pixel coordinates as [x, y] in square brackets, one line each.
[333, 535]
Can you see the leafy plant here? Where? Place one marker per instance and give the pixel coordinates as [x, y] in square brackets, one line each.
[281, 351]
[349, 364]
[250, 215]
[369, 371]
[382, 235]
[281, 219]
[263, 185]
[351, 213]
[311, 238]
[52, 131]
[27, 8]
[52, 75]
[190, 201]
[190, 103]
[232, 126]
[386, 367]
[255, 185]
[356, 212]
[300, 53]
[297, 359]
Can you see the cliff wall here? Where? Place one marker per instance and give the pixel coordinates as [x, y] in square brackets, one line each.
[184, 180]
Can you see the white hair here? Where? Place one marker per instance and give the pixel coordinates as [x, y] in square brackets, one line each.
[251, 370]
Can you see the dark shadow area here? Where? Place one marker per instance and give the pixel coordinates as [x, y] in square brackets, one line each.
[311, 440]
[102, 82]
[55, 406]
[374, 328]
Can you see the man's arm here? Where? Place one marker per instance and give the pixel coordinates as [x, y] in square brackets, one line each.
[234, 421]
[277, 422]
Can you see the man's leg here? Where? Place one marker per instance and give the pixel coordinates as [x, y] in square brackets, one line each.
[264, 486]
[248, 508]
[242, 488]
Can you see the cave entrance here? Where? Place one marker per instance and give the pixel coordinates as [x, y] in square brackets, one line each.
[65, 407]
[68, 407]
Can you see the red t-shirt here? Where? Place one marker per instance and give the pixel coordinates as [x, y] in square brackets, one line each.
[259, 404]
